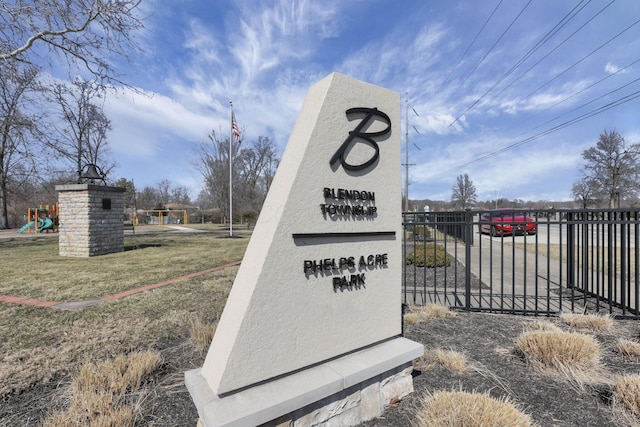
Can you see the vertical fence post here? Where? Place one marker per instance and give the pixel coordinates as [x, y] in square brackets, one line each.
[623, 261]
[571, 249]
[468, 241]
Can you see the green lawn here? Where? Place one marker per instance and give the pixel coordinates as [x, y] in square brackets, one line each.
[31, 267]
[38, 345]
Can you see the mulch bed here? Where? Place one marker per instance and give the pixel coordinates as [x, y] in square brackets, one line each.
[487, 340]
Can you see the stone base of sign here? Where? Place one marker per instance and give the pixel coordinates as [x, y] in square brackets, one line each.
[345, 391]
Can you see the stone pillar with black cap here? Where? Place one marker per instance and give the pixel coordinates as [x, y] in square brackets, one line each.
[91, 220]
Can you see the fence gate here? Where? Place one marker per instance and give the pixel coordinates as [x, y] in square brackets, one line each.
[525, 261]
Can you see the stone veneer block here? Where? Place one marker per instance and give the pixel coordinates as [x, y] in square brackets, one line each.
[91, 220]
[317, 395]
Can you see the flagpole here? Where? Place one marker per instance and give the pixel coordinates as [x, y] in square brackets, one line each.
[230, 170]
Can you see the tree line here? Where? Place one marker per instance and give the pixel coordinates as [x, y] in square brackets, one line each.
[610, 177]
[51, 129]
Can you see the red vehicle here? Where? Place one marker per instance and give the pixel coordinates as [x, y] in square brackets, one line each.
[507, 222]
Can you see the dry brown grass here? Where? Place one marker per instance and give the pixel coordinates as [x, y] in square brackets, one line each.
[542, 326]
[99, 391]
[124, 373]
[201, 334]
[452, 360]
[592, 322]
[454, 409]
[55, 343]
[572, 356]
[418, 314]
[629, 349]
[627, 393]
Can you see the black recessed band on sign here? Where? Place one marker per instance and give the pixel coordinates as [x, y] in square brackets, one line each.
[348, 234]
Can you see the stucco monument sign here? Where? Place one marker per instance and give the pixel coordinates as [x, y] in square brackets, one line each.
[312, 329]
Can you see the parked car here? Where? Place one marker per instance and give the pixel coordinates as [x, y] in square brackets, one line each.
[503, 222]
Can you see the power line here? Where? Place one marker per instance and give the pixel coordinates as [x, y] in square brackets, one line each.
[490, 50]
[590, 102]
[555, 48]
[531, 51]
[473, 41]
[583, 58]
[553, 129]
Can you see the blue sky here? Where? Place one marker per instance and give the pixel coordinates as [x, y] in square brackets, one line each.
[483, 99]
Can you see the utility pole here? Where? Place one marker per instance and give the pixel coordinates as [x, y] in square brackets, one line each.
[406, 153]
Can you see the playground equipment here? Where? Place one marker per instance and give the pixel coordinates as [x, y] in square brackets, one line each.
[46, 218]
[161, 216]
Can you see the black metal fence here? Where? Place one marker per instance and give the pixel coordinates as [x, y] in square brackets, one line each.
[527, 261]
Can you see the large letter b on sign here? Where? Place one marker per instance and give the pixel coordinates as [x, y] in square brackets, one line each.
[357, 135]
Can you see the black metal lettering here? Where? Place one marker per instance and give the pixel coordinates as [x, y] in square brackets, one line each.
[308, 265]
[365, 137]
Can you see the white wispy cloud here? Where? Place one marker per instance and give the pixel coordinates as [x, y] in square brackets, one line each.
[286, 30]
[611, 68]
[143, 122]
[264, 56]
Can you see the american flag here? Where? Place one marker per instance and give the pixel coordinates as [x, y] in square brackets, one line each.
[234, 128]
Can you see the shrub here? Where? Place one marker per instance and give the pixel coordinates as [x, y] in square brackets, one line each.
[422, 232]
[429, 255]
[418, 314]
[627, 393]
[448, 359]
[588, 321]
[542, 326]
[630, 350]
[452, 409]
[559, 350]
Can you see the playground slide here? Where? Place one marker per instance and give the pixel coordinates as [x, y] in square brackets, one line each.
[45, 224]
[24, 227]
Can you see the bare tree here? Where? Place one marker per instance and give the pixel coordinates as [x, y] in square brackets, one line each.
[585, 192]
[612, 168]
[17, 129]
[213, 164]
[180, 195]
[256, 166]
[463, 193]
[82, 132]
[149, 198]
[253, 168]
[163, 193]
[85, 34]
